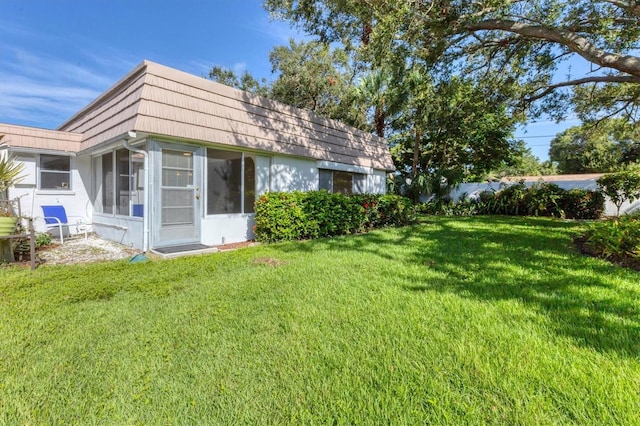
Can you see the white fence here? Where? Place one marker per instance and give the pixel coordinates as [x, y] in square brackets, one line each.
[473, 190]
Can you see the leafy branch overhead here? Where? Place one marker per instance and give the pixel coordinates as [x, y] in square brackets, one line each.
[506, 41]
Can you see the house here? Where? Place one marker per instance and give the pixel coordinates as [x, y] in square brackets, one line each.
[165, 158]
[586, 181]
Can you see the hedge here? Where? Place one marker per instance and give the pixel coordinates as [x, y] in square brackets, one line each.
[304, 215]
[542, 199]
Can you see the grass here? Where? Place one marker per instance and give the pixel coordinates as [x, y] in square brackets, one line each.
[452, 321]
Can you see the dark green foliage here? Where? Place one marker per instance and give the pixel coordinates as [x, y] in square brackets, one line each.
[301, 215]
[542, 199]
[583, 204]
[617, 239]
[590, 148]
[464, 207]
[279, 216]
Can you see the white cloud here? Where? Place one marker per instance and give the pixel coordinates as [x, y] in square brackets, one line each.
[279, 31]
[239, 68]
[42, 89]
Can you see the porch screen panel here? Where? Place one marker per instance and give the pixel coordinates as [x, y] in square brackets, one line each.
[177, 206]
[177, 188]
[249, 184]
[224, 182]
[137, 184]
[122, 181]
[107, 183]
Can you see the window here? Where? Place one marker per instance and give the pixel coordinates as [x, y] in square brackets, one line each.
[107, 183]
[55, 172]
[119, 183]
[342, 182]
[230, 182]
[336, 181]
[123, 181]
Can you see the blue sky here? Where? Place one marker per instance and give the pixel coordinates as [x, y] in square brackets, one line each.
[57, 56]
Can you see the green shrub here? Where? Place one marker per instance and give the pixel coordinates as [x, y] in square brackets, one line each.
[395, 210]
[465, 207]
[280, 216]
[617, 238]
[511, 200]
[542, 199]
[583, 204]
[297, 215]
[43, 239]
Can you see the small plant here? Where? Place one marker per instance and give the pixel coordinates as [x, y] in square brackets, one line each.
[617, 240]
[10, 174]
[43, 239]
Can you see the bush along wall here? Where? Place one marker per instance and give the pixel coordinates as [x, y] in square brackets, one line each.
[302, 215]
[542, 199]
[617, 240]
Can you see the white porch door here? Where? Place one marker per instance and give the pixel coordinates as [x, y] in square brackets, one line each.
[179, 198]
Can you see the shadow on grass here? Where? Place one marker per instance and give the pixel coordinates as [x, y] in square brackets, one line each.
[528, 260]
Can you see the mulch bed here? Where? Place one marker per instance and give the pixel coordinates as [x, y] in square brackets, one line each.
[624, 261]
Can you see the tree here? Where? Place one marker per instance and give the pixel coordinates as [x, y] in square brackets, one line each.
[451, 131]
[621, 186]
[246, 82]
[514, 43]
[523, 163]
[373, 92]
[318, 78]
[592, 148]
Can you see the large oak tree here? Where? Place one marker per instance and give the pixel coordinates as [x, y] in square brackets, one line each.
[512, 43]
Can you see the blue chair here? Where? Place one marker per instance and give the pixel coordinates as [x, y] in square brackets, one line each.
[56, 216]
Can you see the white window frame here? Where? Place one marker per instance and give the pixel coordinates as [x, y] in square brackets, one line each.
[68, 173]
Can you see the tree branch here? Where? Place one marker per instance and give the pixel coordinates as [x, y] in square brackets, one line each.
[631, 8]
[577, 82]
[624, 63]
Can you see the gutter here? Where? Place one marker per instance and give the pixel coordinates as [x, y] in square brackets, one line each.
[147, 190]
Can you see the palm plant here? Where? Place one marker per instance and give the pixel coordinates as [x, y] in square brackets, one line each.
[10, 174]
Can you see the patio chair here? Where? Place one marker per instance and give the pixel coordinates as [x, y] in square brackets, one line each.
[56, 216]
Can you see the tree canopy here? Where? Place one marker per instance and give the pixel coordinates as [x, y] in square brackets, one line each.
[596, 148]
[513, 44]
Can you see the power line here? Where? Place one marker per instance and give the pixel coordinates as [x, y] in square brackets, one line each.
[533, 137]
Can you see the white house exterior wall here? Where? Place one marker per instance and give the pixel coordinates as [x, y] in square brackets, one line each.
[75, 201]
[225, 229]
[122, 229]
[293, 174]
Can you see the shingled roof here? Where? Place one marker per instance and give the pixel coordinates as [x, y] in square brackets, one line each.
[160, 101]
[31, 137]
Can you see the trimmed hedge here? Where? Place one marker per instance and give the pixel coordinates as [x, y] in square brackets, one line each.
[302, 215]
[542, 199]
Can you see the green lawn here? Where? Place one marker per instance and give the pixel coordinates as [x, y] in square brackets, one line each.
[453, 321]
